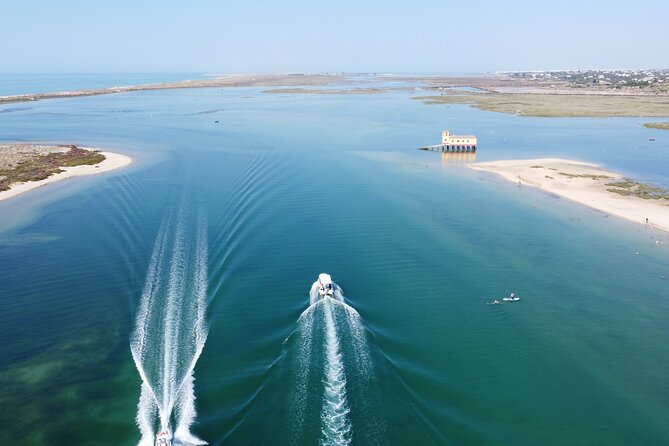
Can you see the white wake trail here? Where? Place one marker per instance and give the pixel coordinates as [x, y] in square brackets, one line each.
[172, 326]
[303, 370]
[186, 406]
[171, 330]
[336, 427]
[350, 397]
[146, 413]
[148, 402]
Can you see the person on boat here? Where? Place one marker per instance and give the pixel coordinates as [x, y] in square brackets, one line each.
[163, 439]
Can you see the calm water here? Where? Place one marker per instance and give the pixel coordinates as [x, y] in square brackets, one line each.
[190, 272]
[11, 84]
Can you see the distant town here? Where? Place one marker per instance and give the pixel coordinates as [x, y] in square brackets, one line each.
[658, 79]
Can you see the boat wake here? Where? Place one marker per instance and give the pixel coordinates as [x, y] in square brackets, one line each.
[333, 357]
[334, 415]
[170, 330]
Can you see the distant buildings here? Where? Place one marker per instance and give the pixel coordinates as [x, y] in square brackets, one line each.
[603, 78]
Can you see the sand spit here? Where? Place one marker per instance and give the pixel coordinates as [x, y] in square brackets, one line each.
[324, 91]
[112, 161]
[246, 80]
[588, 184]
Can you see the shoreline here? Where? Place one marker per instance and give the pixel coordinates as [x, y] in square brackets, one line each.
[241, 80]
[111, 162]
[502, 93]
[584, 183]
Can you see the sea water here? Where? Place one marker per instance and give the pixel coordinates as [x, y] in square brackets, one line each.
[13, 84]
[288, 186]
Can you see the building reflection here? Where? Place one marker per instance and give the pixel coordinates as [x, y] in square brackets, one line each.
[457, 158]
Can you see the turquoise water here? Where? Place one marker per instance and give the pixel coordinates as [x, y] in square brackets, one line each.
[285, 187]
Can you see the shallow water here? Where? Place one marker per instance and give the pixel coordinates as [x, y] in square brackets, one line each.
[293, 185]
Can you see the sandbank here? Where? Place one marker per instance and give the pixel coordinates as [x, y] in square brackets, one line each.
[657, 125]
[583, 183]
[112, 161]
[324, 91]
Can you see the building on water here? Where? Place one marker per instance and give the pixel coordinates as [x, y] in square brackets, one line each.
[454, 143]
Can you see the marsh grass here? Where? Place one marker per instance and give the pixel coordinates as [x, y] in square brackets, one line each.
[657, 125]
[585, 175]
[559, 105]
[627, 188]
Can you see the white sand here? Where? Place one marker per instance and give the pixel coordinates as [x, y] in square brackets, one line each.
[587, 191]
[112, 161]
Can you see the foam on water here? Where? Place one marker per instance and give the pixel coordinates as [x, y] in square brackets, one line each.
[336, 426]
[171, 330]
[335, 322]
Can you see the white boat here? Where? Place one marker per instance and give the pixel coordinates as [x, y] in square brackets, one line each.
[512, 298]
[325, 285]
[164, 438]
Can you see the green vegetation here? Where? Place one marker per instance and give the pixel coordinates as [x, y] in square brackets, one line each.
[558, 105]
[41, 167]
[537, 167]
[585, 175]
[657, 125]
[325, 91]
[627, 187]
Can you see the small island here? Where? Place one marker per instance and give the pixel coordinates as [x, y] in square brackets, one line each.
[24, 167]
[657, 125]
[590, 185]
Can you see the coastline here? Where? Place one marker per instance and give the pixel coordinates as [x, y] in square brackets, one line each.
[112, 161]
[502, 93]
[239, 80]
[584, 183]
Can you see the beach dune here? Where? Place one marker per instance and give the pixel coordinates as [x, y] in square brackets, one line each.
[112, 161]
[588, 184]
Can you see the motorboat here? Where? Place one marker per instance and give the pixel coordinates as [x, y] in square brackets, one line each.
[325, 286]
[512, 298]
[163, 438]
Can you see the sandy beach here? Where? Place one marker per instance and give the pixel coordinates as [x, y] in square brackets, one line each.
[112, 161]
[587, 184]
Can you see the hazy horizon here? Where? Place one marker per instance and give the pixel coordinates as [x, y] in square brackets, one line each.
[376, 37]
[350, 73]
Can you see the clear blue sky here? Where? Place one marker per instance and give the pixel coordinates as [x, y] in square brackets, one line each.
[341, 35]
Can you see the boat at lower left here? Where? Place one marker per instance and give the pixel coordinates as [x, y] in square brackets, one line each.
[164, 438]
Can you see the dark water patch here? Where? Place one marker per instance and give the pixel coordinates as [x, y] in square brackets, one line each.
[14, 109]
[82, 375]
[206, 112]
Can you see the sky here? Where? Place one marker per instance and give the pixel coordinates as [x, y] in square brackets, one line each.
[409, 36]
